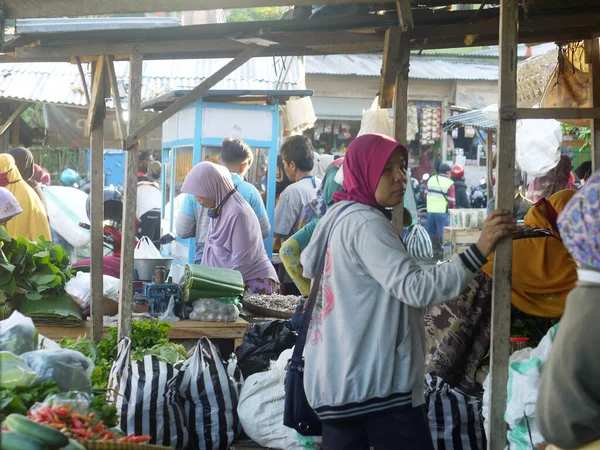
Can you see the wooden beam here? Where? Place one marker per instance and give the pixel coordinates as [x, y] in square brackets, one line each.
[405, 16]
[15, 114]
[30, 9]
[389, 67]
[97, 202]
[502, 276]
[550, 113]
[594, 55]
[401, 115]
[490, 163]
[83, 81]
[97, 94]
[130, 199]
[114, 88]
[193, 95]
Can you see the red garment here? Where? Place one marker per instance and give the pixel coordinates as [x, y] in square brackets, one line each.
[423, 168]
[364, 162]
[41, 175]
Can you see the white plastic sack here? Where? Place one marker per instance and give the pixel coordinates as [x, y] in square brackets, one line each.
[261, 409]
[18, 334]
[66, 209]
[538, 145]
[524, 375]
[145, 249]
[80, 288]
[376, 120]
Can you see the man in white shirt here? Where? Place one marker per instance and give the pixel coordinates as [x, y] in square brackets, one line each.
[298, 161]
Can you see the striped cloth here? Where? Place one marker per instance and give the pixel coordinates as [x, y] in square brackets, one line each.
[455, 418]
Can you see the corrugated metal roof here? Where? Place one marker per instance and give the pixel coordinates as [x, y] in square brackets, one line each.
[426, 68]
[474, 118]
[60, 82]
[93, 23]
[492, 51]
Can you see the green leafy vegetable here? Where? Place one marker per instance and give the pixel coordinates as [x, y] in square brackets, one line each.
[20, 399]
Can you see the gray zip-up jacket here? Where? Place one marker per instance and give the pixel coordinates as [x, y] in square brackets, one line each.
[365, 349]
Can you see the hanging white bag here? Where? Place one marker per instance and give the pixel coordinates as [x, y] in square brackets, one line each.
[145, 249]
[376, 120]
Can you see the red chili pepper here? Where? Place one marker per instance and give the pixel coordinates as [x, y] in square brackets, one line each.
[76, 421]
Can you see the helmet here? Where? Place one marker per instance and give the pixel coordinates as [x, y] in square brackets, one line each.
[69, 177]
[457, 172]
[113, 205]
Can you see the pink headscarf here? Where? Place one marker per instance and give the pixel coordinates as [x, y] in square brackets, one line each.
[365, 159]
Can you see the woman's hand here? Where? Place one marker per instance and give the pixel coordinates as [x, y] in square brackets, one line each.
[499, 224]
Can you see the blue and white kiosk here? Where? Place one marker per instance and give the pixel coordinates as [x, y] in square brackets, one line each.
[195, 134]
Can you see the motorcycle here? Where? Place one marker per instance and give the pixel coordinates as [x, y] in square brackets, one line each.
[479, 197]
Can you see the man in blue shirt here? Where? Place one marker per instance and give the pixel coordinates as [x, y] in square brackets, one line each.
[193, 220]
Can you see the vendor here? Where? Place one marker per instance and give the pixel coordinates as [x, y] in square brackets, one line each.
[459, 333]
[32, 222]
[568, 405]
[234, 239]
[9, 206]
[368, 389]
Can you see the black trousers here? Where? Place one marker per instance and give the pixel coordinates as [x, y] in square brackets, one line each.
[402, 430]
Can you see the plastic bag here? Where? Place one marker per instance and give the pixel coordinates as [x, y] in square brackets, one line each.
[169, 314]
[376, 120]
[146, 398]
[211, 397]
[419, 243]
[80, 288]
[524, 375]
[538, 145]
[66, 210]
[214, 310]
[145, 249]
[18, 334]
[14, 371]
[264, 342]
[78, 401]
[261, 409]
[69, 369]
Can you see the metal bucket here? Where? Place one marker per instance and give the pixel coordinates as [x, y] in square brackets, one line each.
[145, 267]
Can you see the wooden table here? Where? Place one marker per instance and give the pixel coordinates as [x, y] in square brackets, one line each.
[458, 236]
[184, 329]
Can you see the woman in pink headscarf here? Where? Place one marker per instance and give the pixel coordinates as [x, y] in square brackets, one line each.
[365, 347]
[234, 239]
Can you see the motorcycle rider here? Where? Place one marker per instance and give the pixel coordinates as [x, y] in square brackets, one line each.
[460, 187]
[440, 196]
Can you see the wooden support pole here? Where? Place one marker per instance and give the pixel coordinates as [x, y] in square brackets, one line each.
[130, 199]
[389, 67]
[501, 289]
[401, 115]
[550, 113]
[97, 94]
[114, 88]
[14, 116]
[83, 82]
[97, 204]
[595, 96]
[405, 16]
[192, 96]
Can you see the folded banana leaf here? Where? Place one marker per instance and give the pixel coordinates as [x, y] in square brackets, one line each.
[211, 282]
[56, 310]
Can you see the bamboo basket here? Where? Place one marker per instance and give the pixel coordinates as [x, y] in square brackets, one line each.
[532, 77]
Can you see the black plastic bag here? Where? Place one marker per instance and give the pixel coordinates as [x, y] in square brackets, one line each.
[263, 343]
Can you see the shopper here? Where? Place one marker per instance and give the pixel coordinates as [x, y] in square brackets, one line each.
[440, 197]
[144, 161]
[237, 156]
[32, 222]
[460, 187]
[557, 179]
[298, 160]
[9, 206]
[234, 240]
[24, 161]
[568, 405]
[364, 366]
[193, 222]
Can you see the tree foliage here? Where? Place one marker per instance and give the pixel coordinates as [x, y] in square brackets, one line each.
[255, 14]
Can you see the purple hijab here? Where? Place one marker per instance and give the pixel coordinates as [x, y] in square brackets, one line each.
[234, 239]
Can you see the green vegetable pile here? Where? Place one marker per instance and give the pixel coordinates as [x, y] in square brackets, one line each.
[40, 268]
[148, 337]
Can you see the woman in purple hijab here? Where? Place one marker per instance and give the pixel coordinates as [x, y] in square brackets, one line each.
[234, 239]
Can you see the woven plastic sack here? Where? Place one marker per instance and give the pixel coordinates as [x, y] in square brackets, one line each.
[538, 144]
[376, 120]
